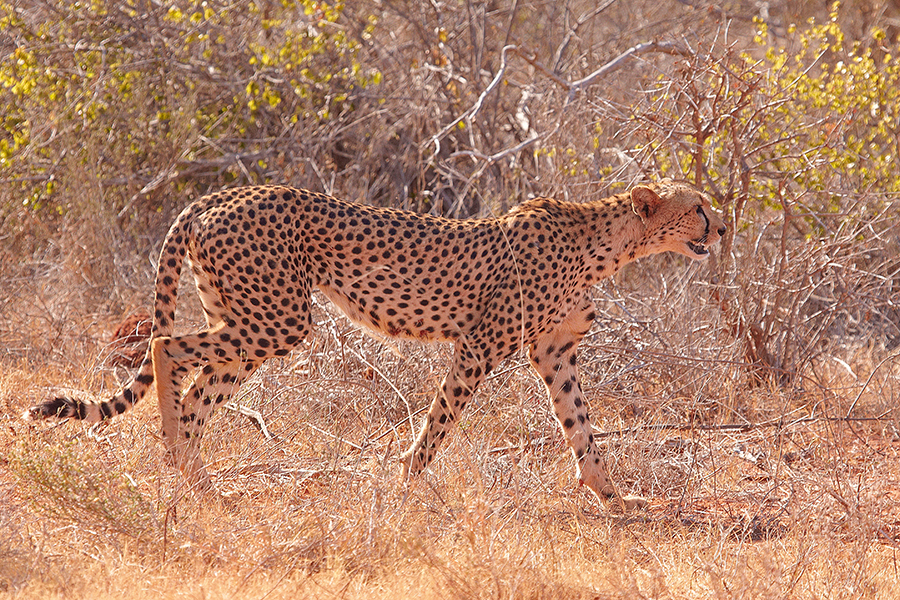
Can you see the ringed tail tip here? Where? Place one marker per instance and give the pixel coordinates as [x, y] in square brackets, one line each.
[54, 408]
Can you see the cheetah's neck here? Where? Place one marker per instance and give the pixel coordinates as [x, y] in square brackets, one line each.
[612, 236]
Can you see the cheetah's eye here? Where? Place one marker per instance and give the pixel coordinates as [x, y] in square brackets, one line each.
[700, 211]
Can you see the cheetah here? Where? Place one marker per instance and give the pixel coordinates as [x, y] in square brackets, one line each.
[490, 286]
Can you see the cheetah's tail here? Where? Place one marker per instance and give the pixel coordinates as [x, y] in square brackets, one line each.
[168, 271]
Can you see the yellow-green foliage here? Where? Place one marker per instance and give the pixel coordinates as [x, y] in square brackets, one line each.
[844, 100]
[142, 80]
[806, 115]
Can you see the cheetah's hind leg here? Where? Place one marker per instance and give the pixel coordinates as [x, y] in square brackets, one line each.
[213, 387]
[184, 418]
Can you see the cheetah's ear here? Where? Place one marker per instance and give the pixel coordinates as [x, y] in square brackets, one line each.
[644, 201]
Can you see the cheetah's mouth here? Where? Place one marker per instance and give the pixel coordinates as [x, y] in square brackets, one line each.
[698, 248]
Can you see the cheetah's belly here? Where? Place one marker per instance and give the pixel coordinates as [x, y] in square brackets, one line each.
[412, 314]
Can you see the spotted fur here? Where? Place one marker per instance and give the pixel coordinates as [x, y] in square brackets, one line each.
[489, 286]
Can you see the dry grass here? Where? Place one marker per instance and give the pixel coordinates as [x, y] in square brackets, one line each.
[804, 509]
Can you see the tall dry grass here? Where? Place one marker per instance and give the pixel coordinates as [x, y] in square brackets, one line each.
[804, 508]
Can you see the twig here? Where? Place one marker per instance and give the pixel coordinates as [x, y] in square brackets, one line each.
[436, 139]
[868, 381]
[254, 416]
[858, 396]
[335, 437]
[393, 427]
[495, 157]
[531, 442]
[561, 49]
[183, 167]
[721, 13]
[390, 383]
[735, 426]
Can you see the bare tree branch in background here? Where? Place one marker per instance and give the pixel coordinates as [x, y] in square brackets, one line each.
[573, 88]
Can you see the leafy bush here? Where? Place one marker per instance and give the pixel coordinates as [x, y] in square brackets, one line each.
[139, 95]
[815, 120]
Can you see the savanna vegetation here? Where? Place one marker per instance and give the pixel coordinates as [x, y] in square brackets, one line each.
[752, 398]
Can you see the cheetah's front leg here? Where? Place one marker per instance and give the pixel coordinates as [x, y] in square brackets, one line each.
[553, 357]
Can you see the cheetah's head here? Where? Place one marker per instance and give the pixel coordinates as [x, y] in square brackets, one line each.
[676, 217]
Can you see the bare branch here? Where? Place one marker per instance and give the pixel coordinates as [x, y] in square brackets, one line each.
[572, 87]
[740, 427]
[557, 56]
[616, 63]
[436, 139]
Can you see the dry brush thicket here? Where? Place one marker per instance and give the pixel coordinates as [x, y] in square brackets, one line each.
[752, 398]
